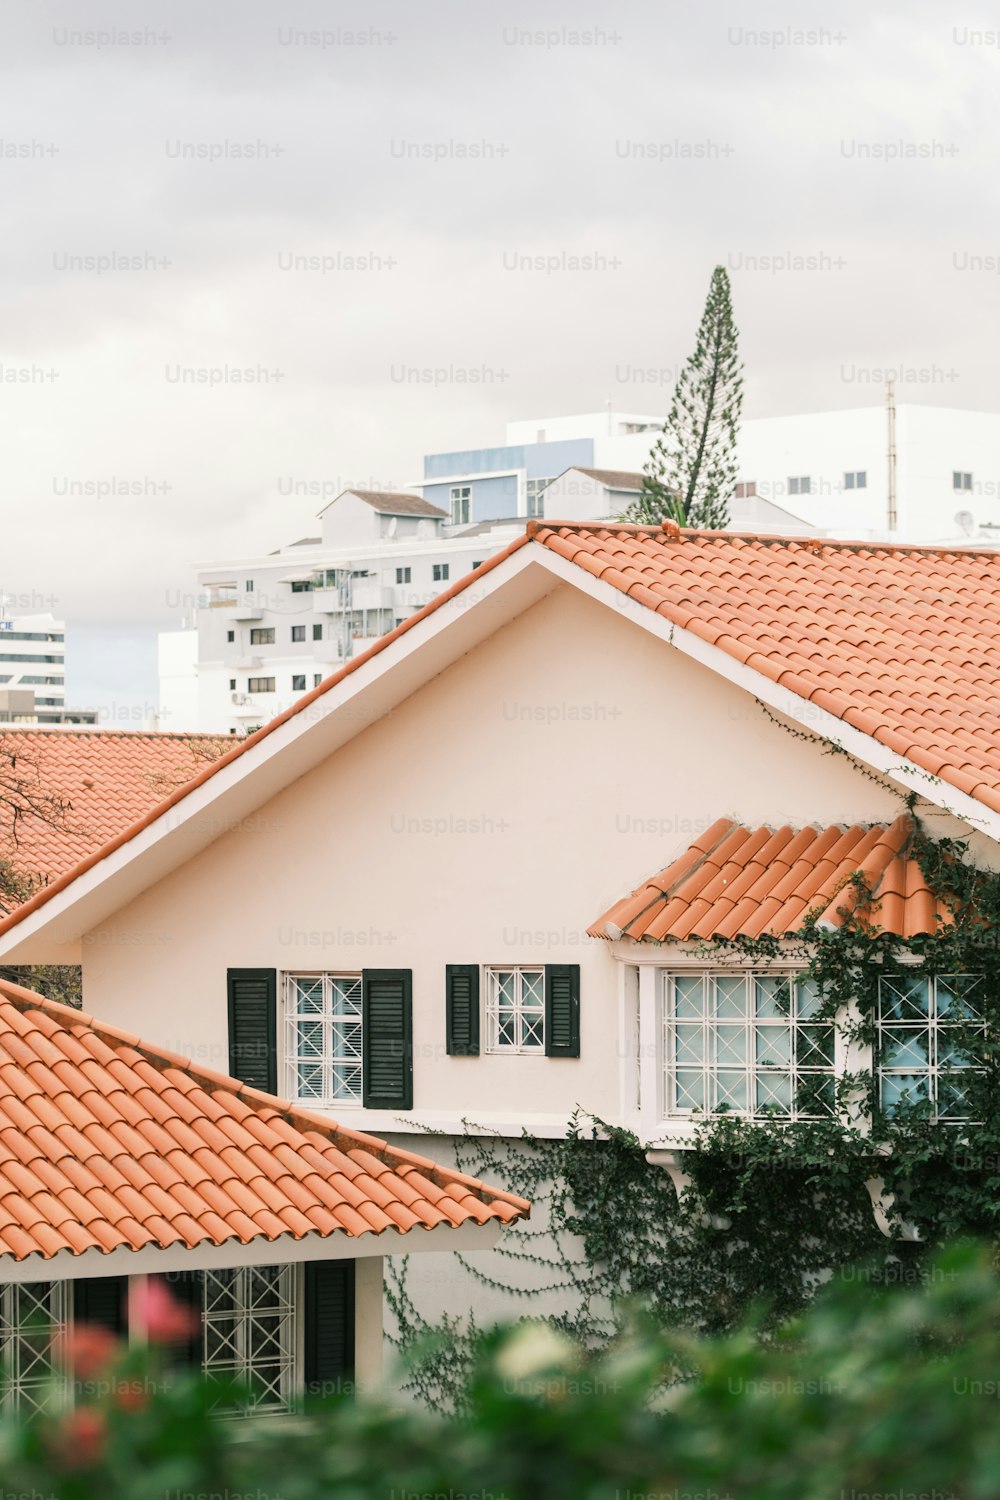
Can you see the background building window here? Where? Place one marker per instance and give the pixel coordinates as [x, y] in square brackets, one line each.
[298, 632]
[745, 490]
[324, 1038]
[800, 485]
[441, 572]
[262, 635]
[515, 1010]
[299, 682]
[318, 631]
[230, 635]
[402, 575]
[856, 479]
[961, 480]
[535, 502]
[260, 685]
[461, 502]
[317, 678]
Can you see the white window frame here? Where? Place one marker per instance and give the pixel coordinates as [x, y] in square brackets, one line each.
[460, 497]
[751, 1030]
[333, 1025]
[961, 479]
[527, 1019]
[907, 1021]
[855, 479]
[233, 1356]
[533, 492]
[800, 484]
[32, 1383]
[441, 572]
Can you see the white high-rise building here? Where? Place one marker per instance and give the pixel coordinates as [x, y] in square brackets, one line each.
[32, 667]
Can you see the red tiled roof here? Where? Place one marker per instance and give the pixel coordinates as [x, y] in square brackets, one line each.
[757, 882]
[102, 780]
[106, 1142]
[903, 643]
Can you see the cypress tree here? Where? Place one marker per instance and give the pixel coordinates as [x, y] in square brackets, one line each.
[691, 471]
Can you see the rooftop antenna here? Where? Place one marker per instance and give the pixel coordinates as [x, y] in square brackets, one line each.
[890, 407]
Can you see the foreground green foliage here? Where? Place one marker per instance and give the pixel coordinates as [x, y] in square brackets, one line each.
[874, 1391]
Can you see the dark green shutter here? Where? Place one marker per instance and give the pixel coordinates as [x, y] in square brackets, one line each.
[186, 1287]
[329, 1330]
[562, 1010]
[253, 1056]
[462, 1009]
[387, 1017]
[100, 1301]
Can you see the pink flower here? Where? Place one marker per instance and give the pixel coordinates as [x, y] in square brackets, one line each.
[78, 1441]
[88, 1350]
[153, 1311]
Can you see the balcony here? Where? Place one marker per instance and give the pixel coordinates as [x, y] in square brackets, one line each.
[248, 663]
[330, 601]
[368, 593]
[246, 609]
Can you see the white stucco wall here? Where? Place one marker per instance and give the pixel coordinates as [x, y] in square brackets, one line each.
[489, 819]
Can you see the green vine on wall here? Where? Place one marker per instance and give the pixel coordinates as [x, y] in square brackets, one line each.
[774, 1207]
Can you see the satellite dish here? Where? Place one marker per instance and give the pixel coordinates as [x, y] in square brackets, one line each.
[965, 521]
[393, 527]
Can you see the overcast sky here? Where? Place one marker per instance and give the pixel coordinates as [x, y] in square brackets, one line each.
[445, 141]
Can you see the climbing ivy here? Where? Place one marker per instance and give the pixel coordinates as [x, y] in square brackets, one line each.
[773, 1208]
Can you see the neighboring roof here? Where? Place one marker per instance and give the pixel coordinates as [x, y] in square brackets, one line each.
[398, 503]
[107, 1143]
[902, 643]
[759, 882]
[614, 479]
[102, 780]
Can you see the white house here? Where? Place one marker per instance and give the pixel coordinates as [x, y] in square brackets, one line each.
[407, 899]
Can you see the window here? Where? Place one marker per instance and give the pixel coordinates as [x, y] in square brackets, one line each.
[403, 575]
[298, 632]
[262, 635]
[324, 1038]
[299, 682]
[249, 1332]
[745, 1043]
[515, 1010]
[800, 485]
[856, 479]
[317, 678]
[318, 631]
[260, 685]
[920, 1056]
[461, 501]
[536, 505]
[232, 684]
[230, 636]
[31, 1314]
[745, 490]
[303, 585]
[961, 480]
[441, 572]
[478, 564]
[248, 586]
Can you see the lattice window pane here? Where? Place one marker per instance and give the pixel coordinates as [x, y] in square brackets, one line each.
[904, 997]
[34, 1380]
[515, 1010]
[324, 1040]
[689, 996]
[249, 1332]
[730, 997]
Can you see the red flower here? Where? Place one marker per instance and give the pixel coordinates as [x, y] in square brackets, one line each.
[152, 1310]
[88, 1350]
[78, 1442]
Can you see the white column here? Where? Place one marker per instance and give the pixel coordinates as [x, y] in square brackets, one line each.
[649, 1050]
[368, 1323]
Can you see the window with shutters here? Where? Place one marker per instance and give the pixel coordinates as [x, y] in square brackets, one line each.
[249, 1332]
[324, 1038]
[31, 1315]
[515, 1010]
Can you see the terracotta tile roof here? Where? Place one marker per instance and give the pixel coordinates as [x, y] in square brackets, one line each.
[103, 780]
[398, 503]
[106, 1142]
[756, 882]
[903, 643]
